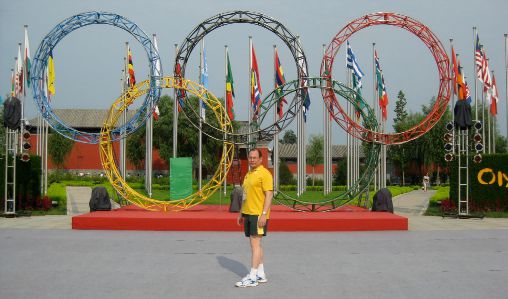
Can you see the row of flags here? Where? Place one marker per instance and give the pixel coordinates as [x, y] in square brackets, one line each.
[483, 74]
[255, 84]
[20, 76]
[357, 74]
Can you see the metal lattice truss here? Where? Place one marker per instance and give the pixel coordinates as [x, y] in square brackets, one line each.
[56, 35]
[369, 121]
[428, 38]
[109, 130]
[238, 17]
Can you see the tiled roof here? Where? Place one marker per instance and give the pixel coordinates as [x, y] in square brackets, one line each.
[82, 118]
[288, 151]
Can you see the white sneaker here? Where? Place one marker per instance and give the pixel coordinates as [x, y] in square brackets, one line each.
[261, 278]
[246, 282]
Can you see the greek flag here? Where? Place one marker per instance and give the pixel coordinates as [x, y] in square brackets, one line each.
[353, 64]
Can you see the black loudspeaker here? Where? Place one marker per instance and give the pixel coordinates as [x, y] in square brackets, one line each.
[478, 125]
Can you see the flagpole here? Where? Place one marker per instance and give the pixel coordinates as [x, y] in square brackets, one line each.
[175, 113]
[489, 119]
[124, 115]
[225, 112]
[506, 82]
[200, 104]
[475, 77]
[374, 106]
[453, 86]
[326, 153]
[275, 161]
[249, 138]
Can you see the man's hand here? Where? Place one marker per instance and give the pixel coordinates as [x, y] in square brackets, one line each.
[262, 221]
[239, 220]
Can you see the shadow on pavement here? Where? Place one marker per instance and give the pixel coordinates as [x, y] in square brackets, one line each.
[232, 265]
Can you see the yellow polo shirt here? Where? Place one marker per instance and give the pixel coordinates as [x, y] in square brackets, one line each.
[255, 183]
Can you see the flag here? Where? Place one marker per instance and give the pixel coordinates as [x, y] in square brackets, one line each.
[13, 84]
[19, 74]
[279, 81]
[28, 64]
[381, 88]
[494, 97]
[357, 75]
[180, 93]
[255, 85]
[304, 84]
[461, 84]
[130, 66]
[156, 112]
[458, 87]
[230, 90]
[51, 75]
[482, 66]
[353, 64]
[204, 82]
[455, 71]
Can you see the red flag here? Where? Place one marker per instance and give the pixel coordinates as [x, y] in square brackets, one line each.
[180, 93]
[130, 66]
[279, 81]
[494, 97]
[255, 85]
[230, 90]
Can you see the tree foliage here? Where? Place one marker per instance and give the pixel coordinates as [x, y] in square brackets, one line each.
[58, 148]
[315, 153]
[340, 175]
[188, 139]
[2, 128]
[288, 138]
[285, 175]
[136, 147]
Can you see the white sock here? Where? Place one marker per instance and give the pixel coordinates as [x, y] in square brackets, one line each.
[253, 273]
[261, 270]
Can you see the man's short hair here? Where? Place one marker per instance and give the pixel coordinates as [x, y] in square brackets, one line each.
[256, 150]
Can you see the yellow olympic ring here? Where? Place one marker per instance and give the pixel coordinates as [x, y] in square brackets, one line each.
[107, 155]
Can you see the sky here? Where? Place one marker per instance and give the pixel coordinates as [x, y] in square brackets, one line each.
[89, 60]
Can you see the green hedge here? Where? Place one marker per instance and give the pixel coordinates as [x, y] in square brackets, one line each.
[488, 183]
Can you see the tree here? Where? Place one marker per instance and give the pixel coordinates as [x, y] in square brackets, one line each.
[58, 148]
[285, 175]
[2, 128]
[136, 147]
[399, 153]
[433, 143]
[187, 135]
[340, 175]
[289, 137]
[315, 153]
[400, 107]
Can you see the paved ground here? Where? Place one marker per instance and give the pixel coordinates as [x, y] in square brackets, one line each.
[436, 258]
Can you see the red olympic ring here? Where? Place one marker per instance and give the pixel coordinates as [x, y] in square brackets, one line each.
[428, 38]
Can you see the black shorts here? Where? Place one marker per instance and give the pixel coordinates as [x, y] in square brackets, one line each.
[250, 226]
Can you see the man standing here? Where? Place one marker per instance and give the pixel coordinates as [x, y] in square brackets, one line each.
[258, 194]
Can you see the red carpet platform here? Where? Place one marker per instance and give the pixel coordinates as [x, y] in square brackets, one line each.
[216, 218]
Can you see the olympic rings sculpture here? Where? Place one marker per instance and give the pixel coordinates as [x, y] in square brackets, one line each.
[56, 35]
[369, 121]
[107, 154]
[236, 17]
[435, 47]
[151, 88]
